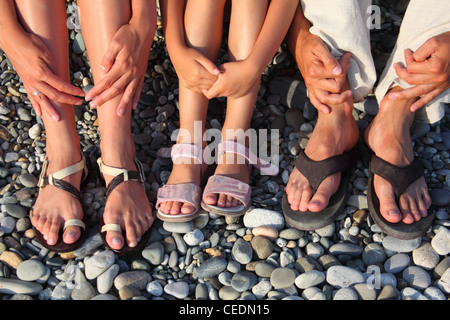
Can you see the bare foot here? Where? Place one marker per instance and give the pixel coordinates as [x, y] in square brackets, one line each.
[334, 134]
[54, 206]
[232, 166]
[389, 138]
[127, 205]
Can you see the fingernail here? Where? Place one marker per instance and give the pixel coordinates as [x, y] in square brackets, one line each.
[216, 71]
[103, 68]
[55, 117]
[121, 112]
[393, 96]
[414, 108]
[337, 70]
[93, 105]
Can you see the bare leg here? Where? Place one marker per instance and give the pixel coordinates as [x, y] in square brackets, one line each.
[334, 134]
[247, 18]
[203, 28]
[127, 205]
[47, 19]
[389, 137]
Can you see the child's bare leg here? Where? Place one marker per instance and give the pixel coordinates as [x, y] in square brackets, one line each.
[203, 28]
[47, 19]
[128, 204]
[247, 18]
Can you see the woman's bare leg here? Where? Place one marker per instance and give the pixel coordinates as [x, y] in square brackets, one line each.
[246, 21]
[47, 19]
[128, 204]
[203, 28]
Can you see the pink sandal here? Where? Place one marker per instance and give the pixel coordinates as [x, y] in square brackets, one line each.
[237, 189]
[184, 192]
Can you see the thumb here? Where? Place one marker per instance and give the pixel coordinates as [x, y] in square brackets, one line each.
[208, 65]
[330, 63]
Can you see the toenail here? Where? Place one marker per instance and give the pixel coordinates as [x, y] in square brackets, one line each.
[117, 241]
[393, 213]
[51, 242]
[133, 244]
[71, 234]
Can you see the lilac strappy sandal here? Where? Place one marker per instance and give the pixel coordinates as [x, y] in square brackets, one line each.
[184, 192]
[232, 187]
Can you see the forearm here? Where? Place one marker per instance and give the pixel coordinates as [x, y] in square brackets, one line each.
[172, 13]
[299, 28]
[273, 31]
[144, 15]
[9, 24]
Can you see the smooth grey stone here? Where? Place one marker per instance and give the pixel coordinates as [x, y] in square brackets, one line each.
[228, 293]
[441, 242]
[136, 279]
[15, 210]
[155, 288]
[154, 253]
[374, 254]
[342, 276]
[211, 267]
[83, 291]
[194, 237]
[31, 270]
[15, 286]
[345, 294]
[263, 217]
[178, 227]
[261, 289]
[309, 279]
[349, 249]
[416, 277]
[105, 281]
[397, 263]
[425, 257]
[388, 292]
[243, 280]
[282, 278]
[264, 269]
[99, 263]
[400, 245]
[28, 180]
[242, 251]
[179, 289]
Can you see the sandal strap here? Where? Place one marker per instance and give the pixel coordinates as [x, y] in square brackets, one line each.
[74, 222]
[400, 178]
[111, 227]
[185, 150]
[121, 175]
[266, 168]
[184, 192]
[231, 187]
[316, 171]
[55, 179]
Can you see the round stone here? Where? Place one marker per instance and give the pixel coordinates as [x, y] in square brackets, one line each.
[31, 270]
[417, 278]
[282, 278]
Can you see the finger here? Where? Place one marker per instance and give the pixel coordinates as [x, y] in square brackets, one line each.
[208, 65]
[61, 85]
[110, 93]
[107, 82]
[411, 93]
[127, 97]
[425, 100]
[34, 103]
[137, 94]
[424, 51]
[330, 63]
[415, 78]
[318, 104]
[55, 95]
[327, 98]
[414, 66]
[110, 56]
[214, 92]
[47, 107]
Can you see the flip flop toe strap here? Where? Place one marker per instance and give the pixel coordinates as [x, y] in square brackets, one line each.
[400, 178]
[74, 222]
[316, 171]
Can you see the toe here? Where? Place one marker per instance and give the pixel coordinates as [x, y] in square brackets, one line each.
[221, 201]
[187, 208]
[176, 206]
[323, 193]
[210, 199]
[53, 231]
[71, 234]
[114, 240]
[386, 196]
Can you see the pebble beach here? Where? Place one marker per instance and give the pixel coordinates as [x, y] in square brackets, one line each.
[257, 256]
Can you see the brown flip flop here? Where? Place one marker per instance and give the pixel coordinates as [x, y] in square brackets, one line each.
[400, 178]
[315, 172]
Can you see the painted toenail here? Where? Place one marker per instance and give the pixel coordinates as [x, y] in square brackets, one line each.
[393, 213]
[71, 234]
[51, 242]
